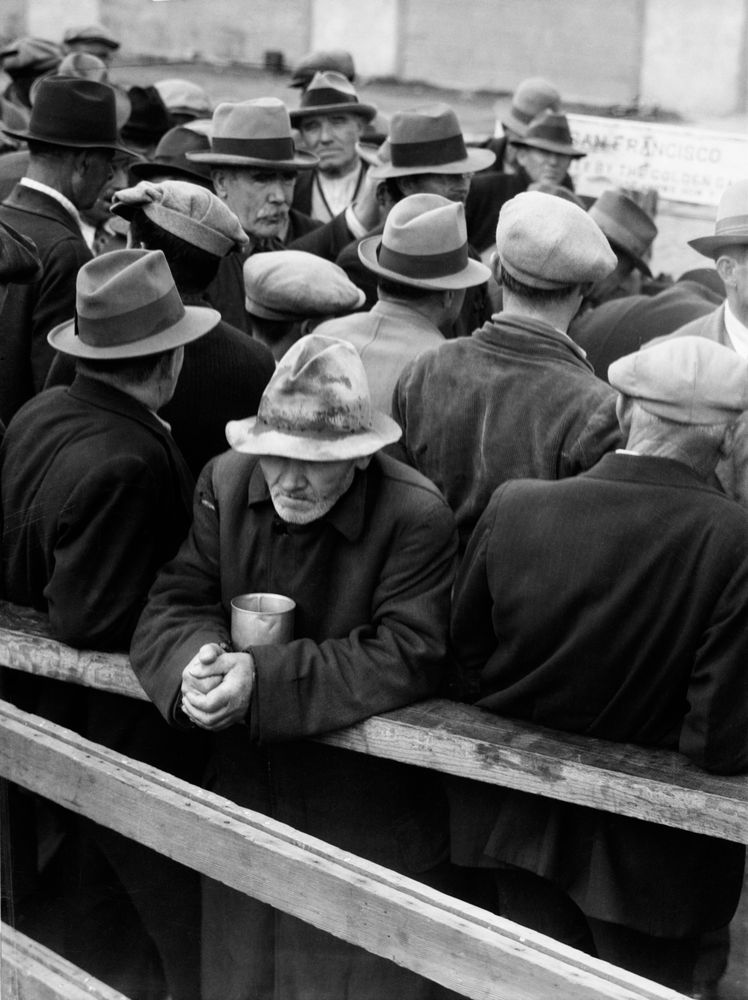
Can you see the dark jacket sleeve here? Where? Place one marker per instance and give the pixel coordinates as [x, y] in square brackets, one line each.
[326, 240]
[55, 301]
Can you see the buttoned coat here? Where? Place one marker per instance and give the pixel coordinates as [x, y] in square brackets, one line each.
[371, 581]
[517, 399]
[31, 311]
[611, 605]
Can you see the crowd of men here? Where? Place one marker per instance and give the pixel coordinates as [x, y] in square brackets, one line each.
[431, 394]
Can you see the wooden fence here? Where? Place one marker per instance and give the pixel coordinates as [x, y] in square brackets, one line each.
[460, 946]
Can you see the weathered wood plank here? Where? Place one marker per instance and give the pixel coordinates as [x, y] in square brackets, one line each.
[464, 948]
[653, 785]
[29, 971]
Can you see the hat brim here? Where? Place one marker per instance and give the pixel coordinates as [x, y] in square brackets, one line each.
[638, 262]
[256, 308]
[68, 143]
[366, 111]
[710, 246]
[476, 159]
[197, 321]
[251, 437]
[148, 168]
[301, 161]
[514, 124]
[550, 147]
[473, 274]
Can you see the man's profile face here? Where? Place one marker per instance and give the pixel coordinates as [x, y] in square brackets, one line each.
[93, 172]
[732, 266]
[259, 198]
[543, 165]
[303, 491]
[453, 187]
[333, 139]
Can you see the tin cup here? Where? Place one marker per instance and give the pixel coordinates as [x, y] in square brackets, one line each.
[261, 620]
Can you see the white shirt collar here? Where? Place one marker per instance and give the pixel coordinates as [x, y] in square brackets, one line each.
[737, 332]
[58, 197]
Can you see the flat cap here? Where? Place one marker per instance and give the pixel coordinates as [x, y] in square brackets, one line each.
[90, 33]
[30, 56]
[337, 60]
[690, 380]
[184, 97]
[548, 242]
[294, 285]
[186, 210]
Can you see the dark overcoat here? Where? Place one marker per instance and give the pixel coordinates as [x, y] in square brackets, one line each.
[611, 605]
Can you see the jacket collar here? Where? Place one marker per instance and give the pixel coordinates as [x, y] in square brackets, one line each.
[27, 199]
[346, 517]
[535, 333]
[105, 396]
[401, 313]
[647, 469]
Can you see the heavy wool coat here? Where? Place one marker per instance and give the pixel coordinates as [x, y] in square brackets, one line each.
[611, 605]
[31, 311]
[517, 399]
[371, 581]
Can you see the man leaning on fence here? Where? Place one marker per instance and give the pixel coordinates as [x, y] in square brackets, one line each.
[612, 604]
[304, 506]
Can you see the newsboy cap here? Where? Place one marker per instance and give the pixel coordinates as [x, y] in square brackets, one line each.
[690, 380]
[188, 211]
[548, 242]
[90, 33]
[293, 285]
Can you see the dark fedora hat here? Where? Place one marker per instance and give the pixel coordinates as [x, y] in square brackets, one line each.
[74, 112]
[170, 159]
[331, 93]
[627, 226]
[149, 119]
[254, 134]
[127, 306]
[550, 131]
[429, 140]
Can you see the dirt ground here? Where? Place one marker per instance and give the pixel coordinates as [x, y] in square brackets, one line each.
[477, 114]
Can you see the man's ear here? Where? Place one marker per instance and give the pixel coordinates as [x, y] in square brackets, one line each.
[726, 266]
[728, 441]
[218, 176]
[495, 264]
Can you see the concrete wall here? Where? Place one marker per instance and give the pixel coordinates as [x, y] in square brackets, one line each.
[370, 31]
[694, 56]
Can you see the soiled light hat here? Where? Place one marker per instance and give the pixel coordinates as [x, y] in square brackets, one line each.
[550, 132]
[547, 242]
[19, 261]
[186, 210]
[627, 226]
[127, 306]
[691, 380]
[294, 285]
[424, 244]
[254, 133]
[429, 140]
[183, 97]
[530, 98]
[316, 407]
[731, 226]
[91, 33]
[337, 60]
[330, 93]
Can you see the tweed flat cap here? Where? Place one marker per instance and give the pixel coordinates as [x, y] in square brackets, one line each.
[292, 284]
[186, 210]
[548, 242]
[690, 380]
[184, 97]
[90, 33]
[337, 60]
[30, 56]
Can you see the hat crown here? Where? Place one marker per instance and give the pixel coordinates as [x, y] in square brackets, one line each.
[257, 129]
[624, 222]
[328, 87]
[690, 380]
[552, 126]
[73, 111]
[180, 140]
[318, 389]
[533, 96]
[125, 296]
[184, 95]
[295, 285]
[732, 211]
[425, 236]
[426, 137]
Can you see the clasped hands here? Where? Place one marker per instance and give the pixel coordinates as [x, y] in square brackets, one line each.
[217, 687]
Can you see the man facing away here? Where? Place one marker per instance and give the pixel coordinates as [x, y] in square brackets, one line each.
[613, 605]
[517, 398]
[303, 505]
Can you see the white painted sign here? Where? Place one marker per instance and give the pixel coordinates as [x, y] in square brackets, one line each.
[684, 164]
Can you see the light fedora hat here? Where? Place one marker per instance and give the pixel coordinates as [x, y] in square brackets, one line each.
[127, 306]
[429, 140]
[627, 226]
[254, 134]
[530, 98]
[330, 93]
[316, 407]
[731, 227]
[550, 131]
[424, 244]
